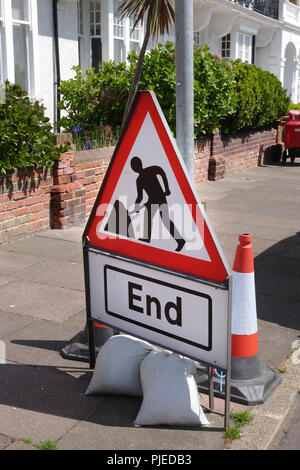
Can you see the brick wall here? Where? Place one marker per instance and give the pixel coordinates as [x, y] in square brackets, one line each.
[231, 154]
[34, 201]
[24, 203]
[78, 180]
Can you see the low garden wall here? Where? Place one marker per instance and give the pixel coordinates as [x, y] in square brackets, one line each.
[32, 201]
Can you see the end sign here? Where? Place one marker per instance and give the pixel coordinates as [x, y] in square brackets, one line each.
[176, 312]
[153, 266]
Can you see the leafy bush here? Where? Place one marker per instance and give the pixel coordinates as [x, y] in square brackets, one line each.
[26, 139]
[158, 75]
[215, 96]
[227, 96]
[293, 106]
[92, 99]
[261, 99]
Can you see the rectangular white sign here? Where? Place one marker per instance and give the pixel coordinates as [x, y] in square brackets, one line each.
[173, 311]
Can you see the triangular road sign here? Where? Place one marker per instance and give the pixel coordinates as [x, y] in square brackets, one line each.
[147, 208]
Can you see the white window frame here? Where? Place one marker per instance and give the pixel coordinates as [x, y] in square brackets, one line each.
[197, 39]
[226, 47]
[244, 51]
[2, 72]
[119, 25]
[80, 17]
[134, 36]
[95, 24]
[27, 27]
[31, 31]
[129, 40]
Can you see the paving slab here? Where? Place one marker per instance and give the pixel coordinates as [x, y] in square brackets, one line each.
[4, 280]
[5, 441]
[55, 272]
[41, 300]
[112, 429]
[71, 234]
[41, 403]
[19, 444]
[283, 312]
[47, 247]
[40, 343]
[271, 347]
[11, 322]
[12, 262]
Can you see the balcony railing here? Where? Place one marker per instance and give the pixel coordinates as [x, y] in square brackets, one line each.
[265, 7]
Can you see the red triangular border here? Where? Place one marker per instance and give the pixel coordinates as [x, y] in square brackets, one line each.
[214, 270]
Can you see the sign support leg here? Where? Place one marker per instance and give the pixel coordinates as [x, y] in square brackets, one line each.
[228, 372]
[92, 344]
[211, 388]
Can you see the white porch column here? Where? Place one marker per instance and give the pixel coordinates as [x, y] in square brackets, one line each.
[10, 68]
[110, 30]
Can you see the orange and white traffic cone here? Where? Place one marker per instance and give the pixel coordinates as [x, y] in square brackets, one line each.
[251, 381]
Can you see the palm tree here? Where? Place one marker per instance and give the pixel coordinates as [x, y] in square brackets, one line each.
[158, 16]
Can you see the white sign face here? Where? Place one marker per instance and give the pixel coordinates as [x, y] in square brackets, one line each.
[175, 312]
[157, 173]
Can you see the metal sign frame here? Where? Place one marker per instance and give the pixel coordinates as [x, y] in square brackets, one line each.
[88, 248]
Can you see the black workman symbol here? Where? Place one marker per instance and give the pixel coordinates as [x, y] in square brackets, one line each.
[147, 181]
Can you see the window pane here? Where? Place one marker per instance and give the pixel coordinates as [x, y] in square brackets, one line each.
[95, 18]
[20, 10]
[119, 50]
[134, 46]
[20, 55]
[98, 5]
[1, 66]
[80, 17]
[96, 53]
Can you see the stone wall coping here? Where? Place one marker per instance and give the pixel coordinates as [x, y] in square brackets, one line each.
[103, 153]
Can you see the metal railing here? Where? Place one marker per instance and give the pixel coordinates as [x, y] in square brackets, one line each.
[265, 7]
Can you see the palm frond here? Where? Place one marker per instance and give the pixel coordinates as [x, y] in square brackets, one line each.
[158, 15]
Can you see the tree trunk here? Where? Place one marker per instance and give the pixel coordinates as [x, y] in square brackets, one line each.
[136, 78]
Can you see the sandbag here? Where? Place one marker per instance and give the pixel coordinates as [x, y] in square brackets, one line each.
[117, 369]
[170, 394]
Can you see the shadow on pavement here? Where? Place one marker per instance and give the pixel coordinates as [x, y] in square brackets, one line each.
[60, 392]
[277, 276]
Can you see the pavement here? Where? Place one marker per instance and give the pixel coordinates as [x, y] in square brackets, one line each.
[42, 307]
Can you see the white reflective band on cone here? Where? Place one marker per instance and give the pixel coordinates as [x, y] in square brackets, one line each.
[244, 315]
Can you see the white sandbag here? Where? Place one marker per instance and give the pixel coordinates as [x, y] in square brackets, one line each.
[117, 369]
[170, 391]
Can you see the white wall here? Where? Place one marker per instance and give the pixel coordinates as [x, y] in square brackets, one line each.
[68, 45]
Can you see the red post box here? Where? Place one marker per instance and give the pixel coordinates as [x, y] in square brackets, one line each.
[292, 137]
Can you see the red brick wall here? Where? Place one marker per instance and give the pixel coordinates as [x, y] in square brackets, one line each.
[24, 203]
[34, 201]
[230, 154]
[77, 185]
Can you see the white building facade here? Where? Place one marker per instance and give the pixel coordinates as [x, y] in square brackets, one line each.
[263, 32]
[40, 40]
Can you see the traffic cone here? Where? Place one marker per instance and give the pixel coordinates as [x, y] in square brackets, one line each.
[78, 348]
[251, 381]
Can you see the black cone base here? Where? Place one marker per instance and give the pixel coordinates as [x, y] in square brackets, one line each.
[78, 348]
[254, 391]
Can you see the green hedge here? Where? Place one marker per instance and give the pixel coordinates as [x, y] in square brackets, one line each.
[260, 99]
[26, 139]
[229, 97]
